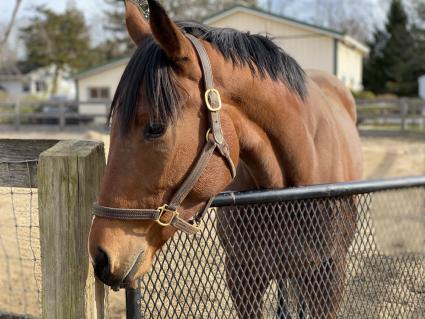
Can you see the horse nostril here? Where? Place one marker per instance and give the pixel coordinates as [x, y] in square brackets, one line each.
[102, 268]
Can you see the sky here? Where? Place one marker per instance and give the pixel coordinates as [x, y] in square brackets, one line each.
[93, 9]
[90, 7]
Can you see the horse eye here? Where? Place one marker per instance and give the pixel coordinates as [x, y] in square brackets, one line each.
[154, 130]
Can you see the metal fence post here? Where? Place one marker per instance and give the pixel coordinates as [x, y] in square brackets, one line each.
[69, 175]
[132, 302]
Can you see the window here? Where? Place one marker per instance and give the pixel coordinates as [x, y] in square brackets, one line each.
[26, 87]
[40, 86]
[99, 93]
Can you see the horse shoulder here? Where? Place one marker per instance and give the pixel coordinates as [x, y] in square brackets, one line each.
[334, 89]
[336, 140]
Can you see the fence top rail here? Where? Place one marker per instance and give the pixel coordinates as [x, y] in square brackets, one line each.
[388, 100]
[12, 102]
[316, 191]
[18, 161]
[14, 150]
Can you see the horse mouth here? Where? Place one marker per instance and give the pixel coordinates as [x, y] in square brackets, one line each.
[130, 279]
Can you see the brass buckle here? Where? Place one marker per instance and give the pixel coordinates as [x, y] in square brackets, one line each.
[207, 100]
[161, 210]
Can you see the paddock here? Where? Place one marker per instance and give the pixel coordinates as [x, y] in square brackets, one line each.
[394, 262]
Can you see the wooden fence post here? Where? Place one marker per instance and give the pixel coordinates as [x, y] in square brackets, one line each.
[404, 110]
[69, 175]
[62, 116]
[17, 114]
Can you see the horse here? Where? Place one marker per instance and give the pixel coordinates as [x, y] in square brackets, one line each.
[199, 110]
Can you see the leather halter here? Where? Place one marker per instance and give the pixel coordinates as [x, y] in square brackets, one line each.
[167, 214]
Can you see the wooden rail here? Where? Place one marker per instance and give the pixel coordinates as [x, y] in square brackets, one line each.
[53, 113]
[402, 115]
[18, 161]
[398, 115]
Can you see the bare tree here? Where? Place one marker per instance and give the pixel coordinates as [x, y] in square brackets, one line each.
[358, 18]
[10, 25]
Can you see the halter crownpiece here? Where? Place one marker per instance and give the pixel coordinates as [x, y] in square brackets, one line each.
[167, 214]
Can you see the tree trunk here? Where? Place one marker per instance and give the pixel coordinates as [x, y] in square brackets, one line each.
[55, 81]
[10, 25]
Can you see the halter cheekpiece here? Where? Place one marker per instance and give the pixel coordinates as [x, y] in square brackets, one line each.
[167, 214]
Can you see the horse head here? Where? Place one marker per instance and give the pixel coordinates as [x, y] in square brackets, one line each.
[172, 148]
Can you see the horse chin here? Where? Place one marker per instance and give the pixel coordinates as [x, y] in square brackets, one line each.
[141, 266]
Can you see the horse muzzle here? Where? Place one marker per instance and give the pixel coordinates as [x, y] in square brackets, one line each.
[116, 277]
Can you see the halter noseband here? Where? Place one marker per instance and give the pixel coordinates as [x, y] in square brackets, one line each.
[167, 214]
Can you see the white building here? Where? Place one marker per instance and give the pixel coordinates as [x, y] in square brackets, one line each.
[96, 86]
[422, 87]
[12, 80]
[312, 46]
[38, 82]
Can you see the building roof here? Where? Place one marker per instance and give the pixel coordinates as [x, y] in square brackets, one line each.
[241, 8]
[101, 67]
[10, 72]
[341, 36]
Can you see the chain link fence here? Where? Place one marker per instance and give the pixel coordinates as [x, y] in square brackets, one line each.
[345, 253]
[20, 272]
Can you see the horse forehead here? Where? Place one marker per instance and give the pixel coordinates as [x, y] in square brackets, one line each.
[142, 112]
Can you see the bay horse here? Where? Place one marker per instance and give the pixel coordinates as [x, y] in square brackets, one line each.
[199, 110]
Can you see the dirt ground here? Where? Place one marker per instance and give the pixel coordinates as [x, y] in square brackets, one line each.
[385, 157]
[19, 251]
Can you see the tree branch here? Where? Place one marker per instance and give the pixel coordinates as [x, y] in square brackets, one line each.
[10, 25]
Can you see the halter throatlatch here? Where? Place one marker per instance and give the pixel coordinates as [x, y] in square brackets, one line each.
[167, 214]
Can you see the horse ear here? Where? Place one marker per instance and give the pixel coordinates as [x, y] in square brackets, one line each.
[168, 34]
[137, 26]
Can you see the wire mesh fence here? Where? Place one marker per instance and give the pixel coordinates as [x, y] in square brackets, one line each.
[345, 256]
[20, 272]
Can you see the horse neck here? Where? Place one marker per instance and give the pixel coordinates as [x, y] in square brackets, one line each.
[274, 129]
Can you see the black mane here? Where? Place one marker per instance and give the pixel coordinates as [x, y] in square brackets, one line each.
[149, 75]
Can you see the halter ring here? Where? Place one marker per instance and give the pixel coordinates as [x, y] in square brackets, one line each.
[207, 100]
